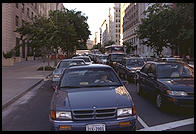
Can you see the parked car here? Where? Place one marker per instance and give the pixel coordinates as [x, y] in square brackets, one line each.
[171, 84]
[128, 67]
[85, 58]
[63, 65]
[92, 98]
[113, 58]
[171, 59]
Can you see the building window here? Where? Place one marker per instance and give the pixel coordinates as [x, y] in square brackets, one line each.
[16, 5]
[23, 7]
[17, 20]
[28, 12]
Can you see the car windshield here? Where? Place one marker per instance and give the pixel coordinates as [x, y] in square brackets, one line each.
[174, 71]
[86, 59]
[95, 77]
[117, 57]
[135, 62]
[63, 64]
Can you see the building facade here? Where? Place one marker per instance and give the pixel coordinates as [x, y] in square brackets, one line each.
[132, 13]
[89, 44]
[111, 27]
[14, 15]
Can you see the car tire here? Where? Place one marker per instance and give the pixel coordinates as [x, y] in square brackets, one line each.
[138, 89]
[159, 102]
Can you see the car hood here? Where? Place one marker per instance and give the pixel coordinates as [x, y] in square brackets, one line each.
[183, 84]
[87, 98]
[58, 70]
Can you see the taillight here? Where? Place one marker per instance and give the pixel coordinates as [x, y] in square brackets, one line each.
[53, 114]
[134, 110]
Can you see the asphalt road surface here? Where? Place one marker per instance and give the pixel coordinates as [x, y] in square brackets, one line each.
[31, 113]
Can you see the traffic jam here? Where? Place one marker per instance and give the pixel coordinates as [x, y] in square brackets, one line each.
[119, 92]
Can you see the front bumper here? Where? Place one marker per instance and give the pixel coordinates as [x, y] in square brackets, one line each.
[111, 124]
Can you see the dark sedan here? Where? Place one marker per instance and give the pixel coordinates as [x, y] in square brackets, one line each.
[170, 84]
[92, 98]
[128, 66]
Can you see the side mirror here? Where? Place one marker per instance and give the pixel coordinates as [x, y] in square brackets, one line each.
[125, 83]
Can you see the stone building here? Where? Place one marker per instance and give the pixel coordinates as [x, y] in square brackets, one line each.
[14, 15]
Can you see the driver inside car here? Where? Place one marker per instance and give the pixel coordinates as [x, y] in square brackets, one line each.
[103, 79]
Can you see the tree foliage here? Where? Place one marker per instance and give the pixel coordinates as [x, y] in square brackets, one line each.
[67, 30]
[166, 26]
[129, 46]
[108, 43]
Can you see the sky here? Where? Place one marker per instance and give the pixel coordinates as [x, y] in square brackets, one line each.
[96, 12]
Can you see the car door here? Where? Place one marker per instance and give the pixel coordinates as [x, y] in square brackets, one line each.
[151, 80]
[143, 77]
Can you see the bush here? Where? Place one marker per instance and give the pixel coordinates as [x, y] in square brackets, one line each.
[47, 68]
[8, 54]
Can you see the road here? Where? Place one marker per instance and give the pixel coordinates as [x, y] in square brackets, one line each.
[30, 113]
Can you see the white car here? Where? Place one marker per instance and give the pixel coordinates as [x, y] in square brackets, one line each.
[85, 58]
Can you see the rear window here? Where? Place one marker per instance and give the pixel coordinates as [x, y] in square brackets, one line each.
[117, 57]
[84, 58]
[63, 64]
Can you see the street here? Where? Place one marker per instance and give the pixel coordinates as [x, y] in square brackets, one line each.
[31, 113]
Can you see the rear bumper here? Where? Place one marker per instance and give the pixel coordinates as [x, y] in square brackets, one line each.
[111, 124]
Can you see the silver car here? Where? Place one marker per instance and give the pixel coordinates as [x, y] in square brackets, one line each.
[63, 65]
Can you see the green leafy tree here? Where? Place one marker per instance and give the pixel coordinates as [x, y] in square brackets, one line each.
[152, 30]
[129, 46]
[110, 42]
[166, 26]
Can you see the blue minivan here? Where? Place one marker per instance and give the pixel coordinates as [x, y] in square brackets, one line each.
[92, 98]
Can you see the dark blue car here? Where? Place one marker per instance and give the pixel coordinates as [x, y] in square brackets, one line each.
[171, 84]
[92, 98]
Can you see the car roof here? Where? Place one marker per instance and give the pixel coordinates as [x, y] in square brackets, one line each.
[133, 58]
[166, 62]
[91, 66]
[81, 57]
[72, 60]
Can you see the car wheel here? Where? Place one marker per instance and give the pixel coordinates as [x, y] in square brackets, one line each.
[138, 89]
[159, 102]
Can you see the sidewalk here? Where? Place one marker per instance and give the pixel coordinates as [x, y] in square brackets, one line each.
[20, 77]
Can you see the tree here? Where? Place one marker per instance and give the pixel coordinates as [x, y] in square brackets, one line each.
[129, 46]
[67, 30]
[152, 30]
[166, 26]
[108, 43]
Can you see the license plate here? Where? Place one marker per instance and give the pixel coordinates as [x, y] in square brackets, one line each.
[95, 127]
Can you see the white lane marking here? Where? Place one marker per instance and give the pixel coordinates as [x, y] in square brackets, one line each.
[169, 125]
[142, 122]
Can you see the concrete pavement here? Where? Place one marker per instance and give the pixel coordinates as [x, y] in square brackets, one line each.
[18, 79]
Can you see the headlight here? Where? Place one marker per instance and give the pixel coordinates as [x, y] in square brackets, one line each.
[177, 93]
[124, 112]
[63, 115]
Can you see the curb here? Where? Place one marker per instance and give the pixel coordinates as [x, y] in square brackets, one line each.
[12, 100]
